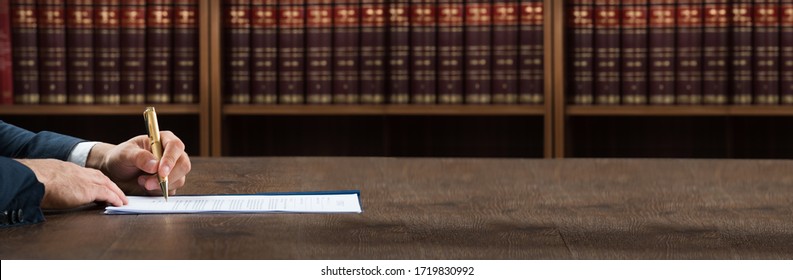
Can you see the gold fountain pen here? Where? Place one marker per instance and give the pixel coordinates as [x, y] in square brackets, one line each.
[153, 128]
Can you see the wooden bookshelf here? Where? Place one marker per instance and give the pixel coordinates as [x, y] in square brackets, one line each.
[99, 110]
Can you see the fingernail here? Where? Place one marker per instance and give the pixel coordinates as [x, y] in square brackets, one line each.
[151, 165]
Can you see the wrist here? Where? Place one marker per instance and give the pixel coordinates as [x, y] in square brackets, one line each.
[96, 157]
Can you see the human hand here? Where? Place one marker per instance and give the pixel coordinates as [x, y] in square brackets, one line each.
[67, 185]
[131, 164]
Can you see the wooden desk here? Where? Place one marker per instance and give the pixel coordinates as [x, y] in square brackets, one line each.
[454, 209]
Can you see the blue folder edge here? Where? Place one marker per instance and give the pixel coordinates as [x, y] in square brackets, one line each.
[357, 193]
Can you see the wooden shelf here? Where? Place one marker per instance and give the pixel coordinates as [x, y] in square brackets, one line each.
[392, 110]
[676, 110]
[177, 109]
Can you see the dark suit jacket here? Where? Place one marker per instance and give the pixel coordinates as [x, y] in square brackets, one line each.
[20, 191]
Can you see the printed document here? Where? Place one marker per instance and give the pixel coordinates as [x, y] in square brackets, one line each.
[256, 203]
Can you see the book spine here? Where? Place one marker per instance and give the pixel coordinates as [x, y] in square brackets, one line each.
[80, 51]
[264, 52]
[346, 51]
[52, 51]
[159, 59]
[741, 13]
[398, 85]
[132, 32]
[451, 45]
[688, 87]
[291, 51]
[107, 52]
[607, 52]
[6, 75]
[716, 52]
[319, 41]
[478, 28]
[373, 47]
[662, 44]
[581, 16]
[236, 39]
[531, 76]
[423, 80]
[185, 55]
[766, 52]
[505, 51]
[25, 51]
[634, 51]
[786, 52]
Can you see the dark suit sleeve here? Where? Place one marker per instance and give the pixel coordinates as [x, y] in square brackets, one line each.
[20, 190]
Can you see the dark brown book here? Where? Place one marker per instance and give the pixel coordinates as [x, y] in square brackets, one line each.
[264, 51]
[581, 17]
[80, 51]
[52, 51]
[185, 51]
[132, 32]
[291, 51]
[607, 52]
[662, 43]
[373, 51]
[766, 52]
[451, 47]
[319, 54]
[716, 43]
[786, 52]
[741, 13]
[398, 79]
[237, 50]
[6, 73]
[423, 43]
[478, 52]
[346, 51]
[107, 52]
[159, 50]
[504, 84]
[634, 61]
[688, 83]
[25, 51]
[531, 76]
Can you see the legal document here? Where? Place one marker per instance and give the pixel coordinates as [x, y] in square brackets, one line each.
[320, 202]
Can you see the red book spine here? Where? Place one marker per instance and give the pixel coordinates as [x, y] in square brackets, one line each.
[346, 51]
[291, 47]
[264, 51]
[373, 48]
[531, 76]
[581, 16]
[505, 51]
[185, 46]
[688, 86]
[451, 45]
[716, 52]
[634, 51]
[741, 13]
[236, 37]
[25, 51]
[766, 52]
[319, 27]
[398, 78]
[423, 80]
[6, 76]
[786, 52]
[107, 52]
[80, 51]
[662, 46]
[478, 29]
[52, 51]
[607, 52]
[159, 59]
[132, 32]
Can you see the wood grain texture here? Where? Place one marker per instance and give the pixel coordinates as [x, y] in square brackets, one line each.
[453, 209]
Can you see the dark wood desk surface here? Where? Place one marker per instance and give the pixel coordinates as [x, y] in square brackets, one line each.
[454, 209]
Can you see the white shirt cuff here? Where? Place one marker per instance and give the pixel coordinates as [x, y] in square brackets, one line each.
[80, 153]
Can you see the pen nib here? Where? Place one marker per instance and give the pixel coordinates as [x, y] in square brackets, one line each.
[164, 188]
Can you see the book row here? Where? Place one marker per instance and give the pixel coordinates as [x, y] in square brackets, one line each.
[680, 52]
